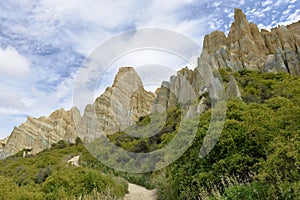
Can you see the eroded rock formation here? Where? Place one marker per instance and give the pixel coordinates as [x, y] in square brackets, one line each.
[118, 107]
[36, 134]
[247, 47]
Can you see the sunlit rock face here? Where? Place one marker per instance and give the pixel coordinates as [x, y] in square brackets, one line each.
[119, 107]
[37, 134]
[245, 47]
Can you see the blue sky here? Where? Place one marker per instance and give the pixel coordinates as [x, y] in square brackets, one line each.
[43, 43]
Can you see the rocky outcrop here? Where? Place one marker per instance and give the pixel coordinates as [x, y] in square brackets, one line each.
[233, 90]
[37, 134]
[74, 161]
[246, 47]
[182, 88]
[294, 27]
[119, 107]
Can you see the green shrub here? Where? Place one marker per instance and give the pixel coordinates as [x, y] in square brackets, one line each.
[42, 175]
[246, 192]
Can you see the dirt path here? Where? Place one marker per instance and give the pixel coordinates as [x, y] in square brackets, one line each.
[139, 193]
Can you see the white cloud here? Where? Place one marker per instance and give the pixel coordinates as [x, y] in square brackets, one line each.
[216, 4]
[291, 6]
[266, 3]
[286, 12]
[8, 99]
[266, 9]
[87, 23]
[294, 17]
[242, 2]
[279, 2]
[12, 63]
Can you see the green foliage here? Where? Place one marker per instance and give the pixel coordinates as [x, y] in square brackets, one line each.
[42, 175]
[47, 175]
[165, 129]
[60, 144]
[10, 190]
[79, 182]
[257, 155]
[248, 192]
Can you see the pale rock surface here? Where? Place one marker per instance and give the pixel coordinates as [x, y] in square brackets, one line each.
[119, 107]
[38, 134]
[246, 47]
[74, 160]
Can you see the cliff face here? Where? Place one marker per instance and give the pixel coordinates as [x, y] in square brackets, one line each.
[245, 47]
[118, 107]
[182, 88]
[295, 27]
[39, 133]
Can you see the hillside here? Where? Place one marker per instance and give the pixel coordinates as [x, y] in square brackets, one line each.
[257, 155]
[48, 175]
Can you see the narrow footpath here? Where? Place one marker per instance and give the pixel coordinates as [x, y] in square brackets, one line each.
[137, 192]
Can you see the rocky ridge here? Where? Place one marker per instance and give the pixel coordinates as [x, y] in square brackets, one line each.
[118, 107]
[245, 47]
[36, 134]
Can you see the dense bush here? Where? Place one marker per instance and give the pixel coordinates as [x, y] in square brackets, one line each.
[47, 175]
[257, 155]
[42, 175]
[250, 192]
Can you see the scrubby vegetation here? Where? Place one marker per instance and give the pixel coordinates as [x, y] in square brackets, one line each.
[47, 175]
[256, 157]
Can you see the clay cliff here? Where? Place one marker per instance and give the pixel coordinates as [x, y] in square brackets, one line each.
[36, 134]
[116, 109]
[119, 107]
[245, 47]
[294, 27]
